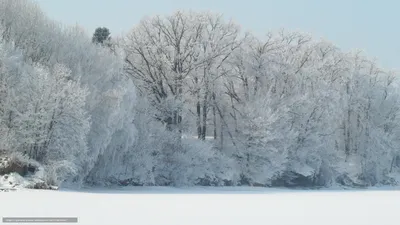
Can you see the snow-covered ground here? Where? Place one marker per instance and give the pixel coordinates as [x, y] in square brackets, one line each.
[207, 206]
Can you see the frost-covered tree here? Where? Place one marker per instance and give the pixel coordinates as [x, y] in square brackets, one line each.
[43, 113]
[160, 56]
[42, 41]
[284, 109]
[159, 159]
[166, 55]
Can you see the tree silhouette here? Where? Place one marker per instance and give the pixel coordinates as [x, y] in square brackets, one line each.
[101, 35]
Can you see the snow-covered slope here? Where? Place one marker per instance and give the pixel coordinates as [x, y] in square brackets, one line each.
[207, 206]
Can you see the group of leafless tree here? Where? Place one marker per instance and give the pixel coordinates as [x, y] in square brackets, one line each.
[191, 99]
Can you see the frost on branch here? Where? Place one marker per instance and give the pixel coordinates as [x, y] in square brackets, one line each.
[188, 99]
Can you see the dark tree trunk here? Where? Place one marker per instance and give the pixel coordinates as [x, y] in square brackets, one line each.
[198, 111]
[204, 127]
[214, 116]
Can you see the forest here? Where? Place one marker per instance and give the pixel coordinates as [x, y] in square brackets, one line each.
[191, 99]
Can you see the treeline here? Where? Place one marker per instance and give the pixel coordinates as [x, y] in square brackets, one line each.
[190, 99]
[65, 101]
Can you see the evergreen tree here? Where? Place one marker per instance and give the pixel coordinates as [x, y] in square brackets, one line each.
[101, 35]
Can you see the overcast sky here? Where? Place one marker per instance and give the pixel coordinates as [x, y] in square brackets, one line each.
[371, 25]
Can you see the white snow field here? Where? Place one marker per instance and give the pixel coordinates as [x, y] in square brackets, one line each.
[207, 206]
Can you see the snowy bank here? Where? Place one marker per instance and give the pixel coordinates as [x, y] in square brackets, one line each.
[17, 171]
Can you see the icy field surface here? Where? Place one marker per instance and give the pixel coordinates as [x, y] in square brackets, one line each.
[207, 206]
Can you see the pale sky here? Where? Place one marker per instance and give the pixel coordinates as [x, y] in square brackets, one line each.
[371, 25]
